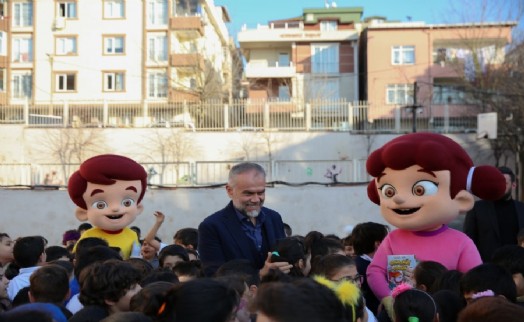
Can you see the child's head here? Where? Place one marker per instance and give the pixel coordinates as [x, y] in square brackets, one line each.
[29, 251]
[171, 254]
[186, 271]
[70, 237]
[488, 276]
[367, 236]
[336, 267]
[292, 250]
[350, 295]
[426, 273]
[186, 237]
[410, 303]
[6, 249]
[111, 284]
[150, 298]
[54, 253]
[511, 257]
[49, 284]
[491, 309]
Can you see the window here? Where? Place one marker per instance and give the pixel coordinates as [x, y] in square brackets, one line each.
[65, 82]
[324, 58]
[22, 51]
[114, 81]
[157, 84]
[447, 94]
[66, 45]
[157, 12]
[67, 9]
[114, 9]
[2, 79]
[330, 25]
[403, 55]
[323, 88]
[186, 7]
[157, 48]
[114, 45]
[283, 92]
[21, 85]
[22, 14]
[283, 60]
[400, 94]
[3, 43]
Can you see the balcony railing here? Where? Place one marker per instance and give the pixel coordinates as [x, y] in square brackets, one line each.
[245, 115]
[265, 71]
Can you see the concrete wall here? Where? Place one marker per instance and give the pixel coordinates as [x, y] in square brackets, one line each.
[326, 209]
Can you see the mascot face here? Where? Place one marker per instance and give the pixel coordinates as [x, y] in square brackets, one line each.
[112, 207]
[419, 200]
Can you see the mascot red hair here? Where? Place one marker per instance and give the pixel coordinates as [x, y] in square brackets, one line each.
[108, 190]
[422, 181]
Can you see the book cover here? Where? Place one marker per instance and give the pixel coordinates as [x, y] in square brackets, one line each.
[398, 266]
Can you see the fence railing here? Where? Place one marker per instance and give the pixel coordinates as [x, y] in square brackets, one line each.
[200, 173]
[245, 115]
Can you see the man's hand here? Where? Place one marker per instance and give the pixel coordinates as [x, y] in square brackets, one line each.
[284, 267]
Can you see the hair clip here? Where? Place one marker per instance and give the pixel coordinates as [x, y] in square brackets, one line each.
[482, 294]
[275, 253]
[401, 288]
[161, 308]
[412, 319]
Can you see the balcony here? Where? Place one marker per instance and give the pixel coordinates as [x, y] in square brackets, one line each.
[188, 62]
[187, 27]
[265, 71]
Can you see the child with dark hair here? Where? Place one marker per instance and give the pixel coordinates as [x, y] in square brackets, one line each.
[449, 305]
[187, 238]
[199, 300]
[159, 276]
[488, 277]
[411, 304]
[292, 250]
[449, 280]
[70, 237]
[242, 267]
[142, 265]
[29, 254]
[54, 253]
[336, 267]
[366, 238]
[186, 271]
[511, 257]
[172, 254]
[150, 298]
[303, 300]
[6, 250]
[426, 273]
[106, 288]
[319, 245]
[491, 309]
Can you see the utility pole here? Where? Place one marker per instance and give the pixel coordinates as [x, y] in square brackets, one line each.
[414, 108]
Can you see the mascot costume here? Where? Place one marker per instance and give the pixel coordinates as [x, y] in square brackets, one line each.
[108, 190]
[422, 181]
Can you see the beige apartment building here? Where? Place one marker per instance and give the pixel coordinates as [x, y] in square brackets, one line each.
[438, 57]
[55, 51]
[311, 57]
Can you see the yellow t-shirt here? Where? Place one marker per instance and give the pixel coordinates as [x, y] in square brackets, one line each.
[123, 240]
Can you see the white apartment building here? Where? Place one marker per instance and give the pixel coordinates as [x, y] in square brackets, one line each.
[128, 50]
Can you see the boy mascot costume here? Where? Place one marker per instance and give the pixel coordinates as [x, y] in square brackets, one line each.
[422, 181]
[108, 190]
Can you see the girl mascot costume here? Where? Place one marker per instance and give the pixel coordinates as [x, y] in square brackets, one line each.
[422, 181]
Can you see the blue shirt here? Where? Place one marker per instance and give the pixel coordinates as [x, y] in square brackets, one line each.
[253, 232]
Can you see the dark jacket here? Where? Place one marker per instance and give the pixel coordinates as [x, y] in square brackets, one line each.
[221, 239]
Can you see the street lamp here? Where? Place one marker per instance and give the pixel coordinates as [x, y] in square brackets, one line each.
[51, 83]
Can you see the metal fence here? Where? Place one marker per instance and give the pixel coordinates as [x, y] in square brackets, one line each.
[245, 115]
[200, 173]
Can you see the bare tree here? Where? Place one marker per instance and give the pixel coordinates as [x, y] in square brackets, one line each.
[71, 146]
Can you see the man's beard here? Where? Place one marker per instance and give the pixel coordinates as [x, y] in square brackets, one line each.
[252, 213]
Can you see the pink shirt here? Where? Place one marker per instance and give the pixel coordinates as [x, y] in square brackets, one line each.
[450, 247]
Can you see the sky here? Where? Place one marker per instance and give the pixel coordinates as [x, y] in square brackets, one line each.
[253, 12]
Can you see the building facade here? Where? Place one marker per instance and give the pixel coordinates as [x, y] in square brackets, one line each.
[413, 63]
[127, 50]
[312, 57]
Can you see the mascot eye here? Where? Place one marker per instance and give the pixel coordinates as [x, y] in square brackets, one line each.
[425, 188]
[128, 202]
[99, 205]
[388, 191]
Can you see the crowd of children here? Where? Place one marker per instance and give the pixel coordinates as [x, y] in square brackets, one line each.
[328, 282]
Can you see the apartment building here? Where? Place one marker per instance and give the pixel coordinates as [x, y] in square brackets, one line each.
[311, 57]
[128, 50]
[438, 57]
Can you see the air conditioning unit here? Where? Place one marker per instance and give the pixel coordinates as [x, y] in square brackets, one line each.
[60, 23]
